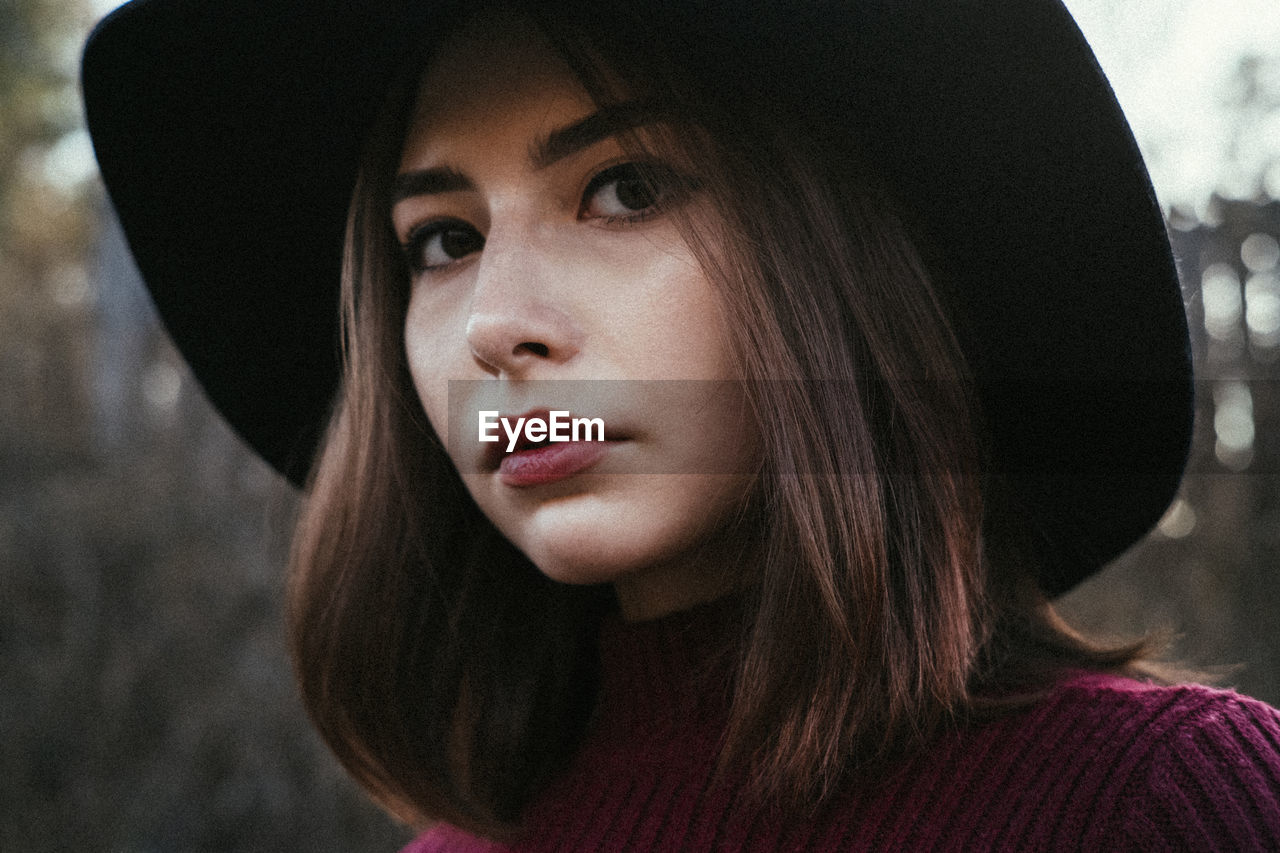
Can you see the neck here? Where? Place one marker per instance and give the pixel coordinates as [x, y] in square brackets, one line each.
[659, 672]
[719, 565]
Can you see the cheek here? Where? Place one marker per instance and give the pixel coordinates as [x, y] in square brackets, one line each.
[677, 327]
[427, 348]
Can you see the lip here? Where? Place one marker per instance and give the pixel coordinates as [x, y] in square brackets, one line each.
[550, 463]
[536, 464]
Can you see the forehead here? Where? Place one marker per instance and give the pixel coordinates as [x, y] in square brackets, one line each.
[497, 74]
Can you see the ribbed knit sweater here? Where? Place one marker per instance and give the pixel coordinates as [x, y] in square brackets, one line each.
[1104, 763]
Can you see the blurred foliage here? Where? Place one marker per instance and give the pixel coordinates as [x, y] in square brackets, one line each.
[146, 703]
[1210, 571]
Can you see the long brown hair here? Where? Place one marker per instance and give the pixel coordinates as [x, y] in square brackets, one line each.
[454, 680]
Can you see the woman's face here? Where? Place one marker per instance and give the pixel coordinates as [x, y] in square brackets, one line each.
[548, 275]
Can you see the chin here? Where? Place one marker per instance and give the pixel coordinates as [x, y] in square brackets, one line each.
[584, 552]
[586, 541]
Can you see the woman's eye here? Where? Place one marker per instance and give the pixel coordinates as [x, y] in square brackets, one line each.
[627, 192]
[438, 244]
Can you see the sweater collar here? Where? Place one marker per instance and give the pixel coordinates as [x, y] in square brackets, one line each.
[660, 672]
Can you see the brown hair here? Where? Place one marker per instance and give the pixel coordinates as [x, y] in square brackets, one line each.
[454, 680]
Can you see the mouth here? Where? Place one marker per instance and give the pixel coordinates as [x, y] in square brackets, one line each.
[542, 459]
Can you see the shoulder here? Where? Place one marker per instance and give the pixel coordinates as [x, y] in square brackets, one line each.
[1154, 716]
[1101, 763]
[1185, 766]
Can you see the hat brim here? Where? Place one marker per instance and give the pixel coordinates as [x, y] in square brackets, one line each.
[228, 135]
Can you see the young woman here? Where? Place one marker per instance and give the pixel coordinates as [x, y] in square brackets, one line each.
[876, 310]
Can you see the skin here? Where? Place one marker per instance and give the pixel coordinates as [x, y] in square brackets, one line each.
[545, 279]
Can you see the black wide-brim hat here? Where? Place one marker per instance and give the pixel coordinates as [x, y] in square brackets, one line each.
[229, 132]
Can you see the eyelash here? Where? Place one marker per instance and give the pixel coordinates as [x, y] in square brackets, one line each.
[660, 181]
[421, 235]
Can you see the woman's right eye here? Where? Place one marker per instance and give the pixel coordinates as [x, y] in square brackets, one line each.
[434, 245]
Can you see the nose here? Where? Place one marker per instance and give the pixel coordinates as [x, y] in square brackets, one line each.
[519, 323]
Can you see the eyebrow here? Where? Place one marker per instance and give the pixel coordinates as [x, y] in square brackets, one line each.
[441, 179]
[608, 121]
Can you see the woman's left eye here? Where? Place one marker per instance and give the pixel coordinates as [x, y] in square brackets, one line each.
[628, 192]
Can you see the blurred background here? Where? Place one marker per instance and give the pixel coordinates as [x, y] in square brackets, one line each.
[145, 700]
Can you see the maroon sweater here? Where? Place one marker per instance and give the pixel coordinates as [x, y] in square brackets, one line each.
[1104, 763]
